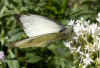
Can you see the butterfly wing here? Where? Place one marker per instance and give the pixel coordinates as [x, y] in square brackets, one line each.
[40, 41]
[35, 25]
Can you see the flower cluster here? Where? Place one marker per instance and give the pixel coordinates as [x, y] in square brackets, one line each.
[86, 42]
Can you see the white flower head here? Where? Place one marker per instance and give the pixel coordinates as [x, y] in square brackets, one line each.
[87, 60]
[87, 39]
[98, 18]
[99, 44]
[67, 44]
[92, 28]
[71, 22]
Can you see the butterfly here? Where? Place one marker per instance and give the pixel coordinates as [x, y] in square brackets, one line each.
[41, 31]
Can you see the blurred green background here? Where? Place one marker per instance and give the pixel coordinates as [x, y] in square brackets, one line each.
[60, 10]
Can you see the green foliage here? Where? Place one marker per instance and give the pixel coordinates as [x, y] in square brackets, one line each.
[55, 56]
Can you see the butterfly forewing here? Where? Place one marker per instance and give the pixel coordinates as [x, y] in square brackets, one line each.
[35, 25]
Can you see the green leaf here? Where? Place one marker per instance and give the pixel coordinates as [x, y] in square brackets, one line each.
[32, 58]
[13, 64]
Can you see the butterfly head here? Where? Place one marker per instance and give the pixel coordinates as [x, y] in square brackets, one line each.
[68, 32]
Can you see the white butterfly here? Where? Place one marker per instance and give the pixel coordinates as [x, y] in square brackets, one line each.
[40, 31]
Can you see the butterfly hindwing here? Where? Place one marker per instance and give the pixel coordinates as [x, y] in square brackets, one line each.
[40, 41]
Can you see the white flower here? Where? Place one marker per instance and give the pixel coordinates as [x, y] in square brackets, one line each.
[98, 18]
[71, 22]
[85, 66]
[92, 28]
[67, 44]
[98, 14]
[97, 32]
[84, 30]
[79, 51]
[77, 28]
[99, 44]
[80, 26]
[87, 60]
